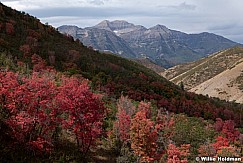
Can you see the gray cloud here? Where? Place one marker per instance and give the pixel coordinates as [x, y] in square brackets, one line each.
[91, 12]
[231, 30]
[10, 0]
[216, 16]
[97, 2]
[222, 27]
[183, 6]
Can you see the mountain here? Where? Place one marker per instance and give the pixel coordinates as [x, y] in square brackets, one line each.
[218, 75]
[100, 39]
[161, 45]
[118, 26]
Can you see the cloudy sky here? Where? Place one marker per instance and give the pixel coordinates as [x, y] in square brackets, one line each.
[223, 17]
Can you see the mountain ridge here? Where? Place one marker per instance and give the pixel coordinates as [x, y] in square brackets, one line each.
[103, 42]
[160, 44]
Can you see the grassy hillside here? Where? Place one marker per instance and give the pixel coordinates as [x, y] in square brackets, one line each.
[218, 75]
[226, 85]
[195, 73]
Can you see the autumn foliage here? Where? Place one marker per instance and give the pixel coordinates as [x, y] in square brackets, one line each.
[178, 155]
[40, 108]
[148, 138]
[44, 107]
[83, 112]
[9, 28]
[122, 125]
[144, 135]
[154, 135]
[227, 129]
[225, 144]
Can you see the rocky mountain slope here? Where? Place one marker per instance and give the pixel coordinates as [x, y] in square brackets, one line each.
[218, 75]
[100, 39]
[163, 46]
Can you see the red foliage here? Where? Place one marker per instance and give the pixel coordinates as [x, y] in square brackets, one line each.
[144, 136]
[40, 64]
[33, 33]
[35, 107]
[227, 128]
[221, 142]
[206, 150]
[178, 155]
[8, 85]
[143, 76]
[166, 127]
[27, 102]
[33, 42]
[40, 145]
[122, 125]
[123, 115]
[221, 148]
[146, 108]
[9, 28]
[149, 139]
[26, 50]
[84, 111]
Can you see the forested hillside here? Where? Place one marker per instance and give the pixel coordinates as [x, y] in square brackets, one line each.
[61, 101]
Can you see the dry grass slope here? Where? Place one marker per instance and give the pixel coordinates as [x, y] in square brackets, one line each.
[224, 85]
[218, 75]
[195, 73]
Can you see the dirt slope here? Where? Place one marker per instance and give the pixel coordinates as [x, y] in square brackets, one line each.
[218, 75]
[224, 85]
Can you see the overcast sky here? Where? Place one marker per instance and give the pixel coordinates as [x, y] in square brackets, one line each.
[223, 17]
